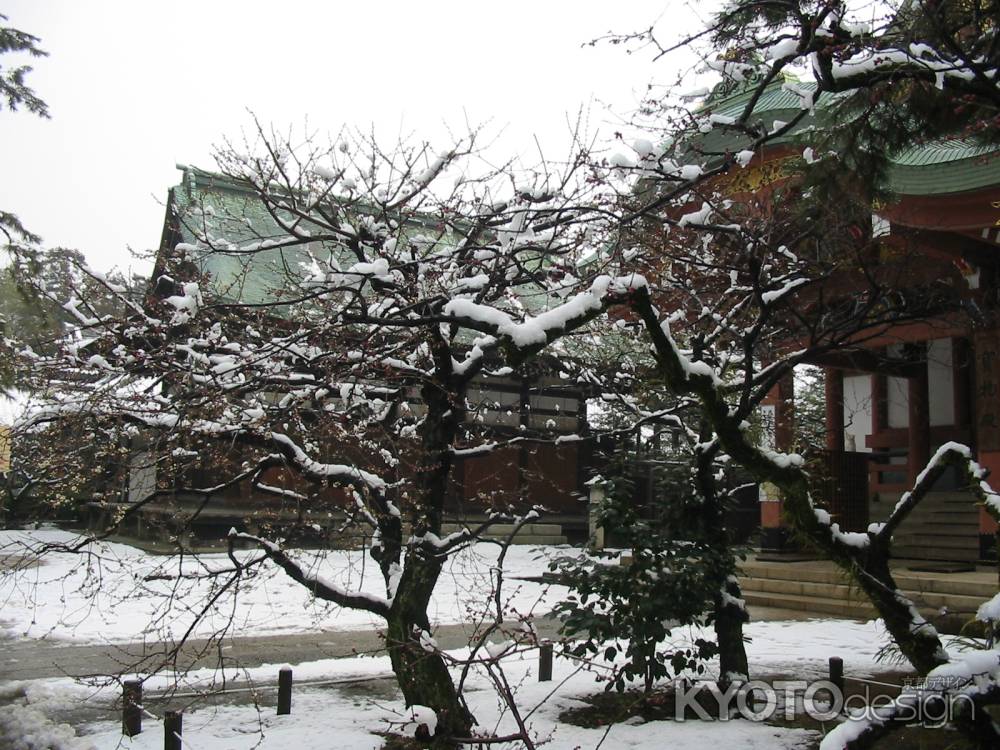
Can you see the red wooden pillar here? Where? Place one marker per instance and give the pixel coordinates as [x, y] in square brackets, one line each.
[919, 425]
[986, 408]
[784, 414]
[774, 536]
[987, 526]
[834, 387]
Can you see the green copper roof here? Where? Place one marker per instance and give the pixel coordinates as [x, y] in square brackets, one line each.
[949, 166]
[230, 216]
[938, 167]
[942, 152]
[775, 97]
[241, 255]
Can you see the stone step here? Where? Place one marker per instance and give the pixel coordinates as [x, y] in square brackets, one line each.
[927, 601]
[794, 572]
[953, 623]
[938, 500]
[824, 590]
[908, 581]
[940, 511]
[948, 508]
[800, 588]
[955, 603]
[934, 498]
[942, 539]
[945, 520]
[956, 515]
[821, 607]
[943, 531]
[955, 509]
[956, 554]
[944, 584]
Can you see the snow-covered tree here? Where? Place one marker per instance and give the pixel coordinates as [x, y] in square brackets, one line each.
[355, 373]
[331, 337]
[756, 265]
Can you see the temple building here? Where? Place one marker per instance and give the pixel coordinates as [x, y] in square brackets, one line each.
[536, 401]
[905, 389]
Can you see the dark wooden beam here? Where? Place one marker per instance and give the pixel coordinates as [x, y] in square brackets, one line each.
[834, 384]
[865, 360]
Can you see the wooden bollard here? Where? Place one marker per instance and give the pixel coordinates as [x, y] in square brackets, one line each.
[173, 724]
[545, 662]
[131, 711]
[837, 673]
[284, 691]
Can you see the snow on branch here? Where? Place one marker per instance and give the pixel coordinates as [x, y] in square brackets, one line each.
[317, 470]
[319, 586]
[293, 454]
[917, 57]
[539, 330]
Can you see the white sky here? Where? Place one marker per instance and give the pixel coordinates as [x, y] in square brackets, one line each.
[135, 87]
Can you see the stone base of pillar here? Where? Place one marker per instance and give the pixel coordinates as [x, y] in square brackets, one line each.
[777, 544]
[776, 540]
[988, 548]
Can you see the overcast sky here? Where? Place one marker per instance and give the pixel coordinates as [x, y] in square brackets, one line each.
[135, 87]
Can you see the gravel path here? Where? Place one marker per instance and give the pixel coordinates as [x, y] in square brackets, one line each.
[28, 659]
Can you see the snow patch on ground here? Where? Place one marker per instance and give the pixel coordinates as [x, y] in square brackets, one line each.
[54, 599]
[117, 593]
[354, 715]
[26, 723]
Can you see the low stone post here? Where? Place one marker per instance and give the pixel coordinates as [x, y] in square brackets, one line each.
[545, 662]
[131, 711]
[173, 725]
[284, 691]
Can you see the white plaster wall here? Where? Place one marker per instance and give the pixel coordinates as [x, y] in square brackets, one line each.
[941, 382]
[857, 412]
[141, 476]
[898, 396]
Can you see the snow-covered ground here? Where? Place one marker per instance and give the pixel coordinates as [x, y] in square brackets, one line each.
[800, 648]
[117, 593]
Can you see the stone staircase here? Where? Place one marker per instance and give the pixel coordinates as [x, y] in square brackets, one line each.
[944, 526]
[820, 588]
[530, 533]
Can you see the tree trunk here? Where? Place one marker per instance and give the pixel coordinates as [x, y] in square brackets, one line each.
[917, 640]
[425, 681]
[919, 644]
[423, 674]
[730, 617]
